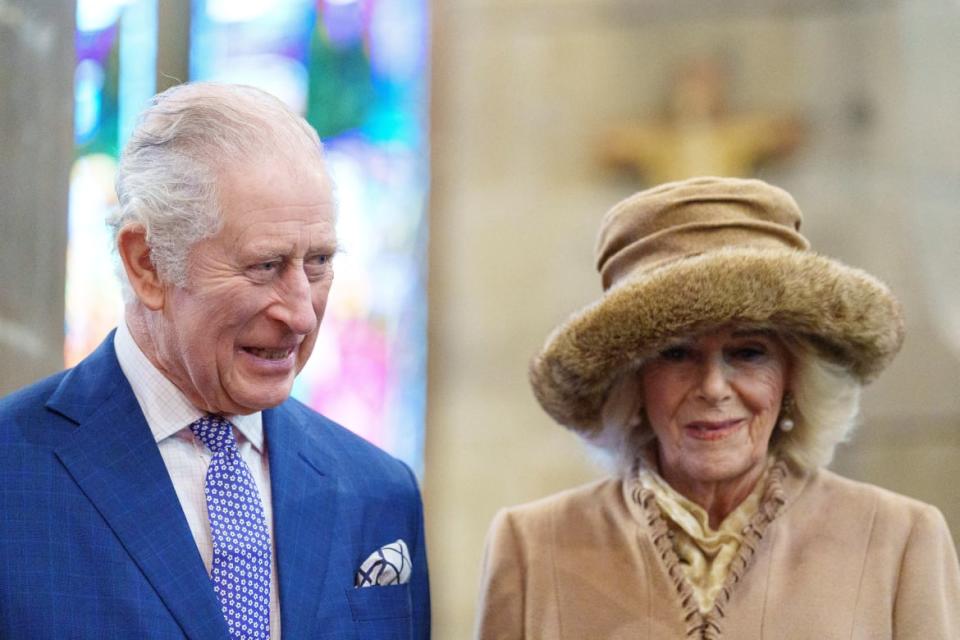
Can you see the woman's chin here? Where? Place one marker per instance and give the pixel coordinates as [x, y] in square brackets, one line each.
[719, 468]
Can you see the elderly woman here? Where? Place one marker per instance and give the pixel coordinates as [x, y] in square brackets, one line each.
[721, 368]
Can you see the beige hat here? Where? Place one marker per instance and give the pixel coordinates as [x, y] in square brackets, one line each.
[702, 253]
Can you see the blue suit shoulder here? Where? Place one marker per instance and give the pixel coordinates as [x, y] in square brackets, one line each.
[350, 450]
[25, 409]
[34, 394]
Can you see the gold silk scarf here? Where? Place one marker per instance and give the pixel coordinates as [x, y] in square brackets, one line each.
[705, 554]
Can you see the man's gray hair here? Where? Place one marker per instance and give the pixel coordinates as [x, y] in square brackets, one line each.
[167, 180]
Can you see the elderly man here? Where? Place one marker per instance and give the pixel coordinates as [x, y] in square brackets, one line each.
[167, 487]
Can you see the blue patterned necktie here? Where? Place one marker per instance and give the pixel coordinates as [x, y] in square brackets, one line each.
[241, 540]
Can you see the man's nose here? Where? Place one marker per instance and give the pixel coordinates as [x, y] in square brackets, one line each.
[295, 306]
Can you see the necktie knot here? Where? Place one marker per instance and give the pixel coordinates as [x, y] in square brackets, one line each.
[214, 431]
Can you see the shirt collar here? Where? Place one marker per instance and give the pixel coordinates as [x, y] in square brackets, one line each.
[164, 406]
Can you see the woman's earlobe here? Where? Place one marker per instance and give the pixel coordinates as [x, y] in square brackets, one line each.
[786, 421]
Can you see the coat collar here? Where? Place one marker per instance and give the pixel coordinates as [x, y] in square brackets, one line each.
[113, 458]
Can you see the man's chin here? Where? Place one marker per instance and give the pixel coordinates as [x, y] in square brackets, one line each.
[258, 399]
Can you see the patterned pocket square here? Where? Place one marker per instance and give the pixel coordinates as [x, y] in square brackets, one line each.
[390, 564]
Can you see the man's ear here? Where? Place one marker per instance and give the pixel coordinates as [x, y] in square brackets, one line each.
[141, 272]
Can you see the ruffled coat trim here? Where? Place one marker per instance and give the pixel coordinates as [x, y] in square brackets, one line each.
[709, 626]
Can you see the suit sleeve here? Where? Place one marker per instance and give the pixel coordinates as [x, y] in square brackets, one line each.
[500, 612]
[928, 591]
[419, 580]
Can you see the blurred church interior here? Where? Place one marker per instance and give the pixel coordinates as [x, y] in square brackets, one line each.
[476, 144]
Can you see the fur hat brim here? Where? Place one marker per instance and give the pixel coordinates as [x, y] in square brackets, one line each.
[850, 317]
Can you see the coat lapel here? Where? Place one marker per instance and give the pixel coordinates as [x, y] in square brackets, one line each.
[112, 456]
[304, 494]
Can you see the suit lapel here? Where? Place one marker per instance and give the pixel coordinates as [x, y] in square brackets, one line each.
[112, 456]
[304, 495]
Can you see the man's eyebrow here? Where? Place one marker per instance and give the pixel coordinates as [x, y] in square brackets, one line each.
[268, 252]
[330, 247]
[264, 253]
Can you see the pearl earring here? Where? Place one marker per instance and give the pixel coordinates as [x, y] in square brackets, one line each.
[786, 422]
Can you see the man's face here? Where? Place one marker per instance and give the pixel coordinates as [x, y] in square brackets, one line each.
[235, 336]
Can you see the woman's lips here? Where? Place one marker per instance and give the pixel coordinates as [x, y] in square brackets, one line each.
[713, 429]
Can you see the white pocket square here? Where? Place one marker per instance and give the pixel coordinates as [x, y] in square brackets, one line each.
[390, 564]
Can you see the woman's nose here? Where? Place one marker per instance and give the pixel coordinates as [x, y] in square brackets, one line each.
[714, 380]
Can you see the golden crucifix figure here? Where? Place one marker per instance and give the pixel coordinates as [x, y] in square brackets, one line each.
[699, 137]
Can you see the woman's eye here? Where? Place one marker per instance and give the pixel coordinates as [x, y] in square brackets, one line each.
[749, 353]
[675, 354]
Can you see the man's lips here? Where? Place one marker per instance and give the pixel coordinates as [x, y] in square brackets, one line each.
[713, 429]
[270, 353]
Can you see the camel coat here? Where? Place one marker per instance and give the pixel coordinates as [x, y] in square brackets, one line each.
[825, 558]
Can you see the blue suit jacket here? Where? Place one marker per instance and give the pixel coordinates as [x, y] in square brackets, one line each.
[94, 544]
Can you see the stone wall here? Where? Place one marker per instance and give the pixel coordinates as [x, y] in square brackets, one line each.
[36, 139]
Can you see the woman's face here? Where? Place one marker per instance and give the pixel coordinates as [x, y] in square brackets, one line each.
[713, 401]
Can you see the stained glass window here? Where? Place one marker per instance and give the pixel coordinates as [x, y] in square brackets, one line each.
[357, 70]
[116, 44]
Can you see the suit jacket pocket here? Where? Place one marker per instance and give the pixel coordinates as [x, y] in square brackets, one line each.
[382, 608]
